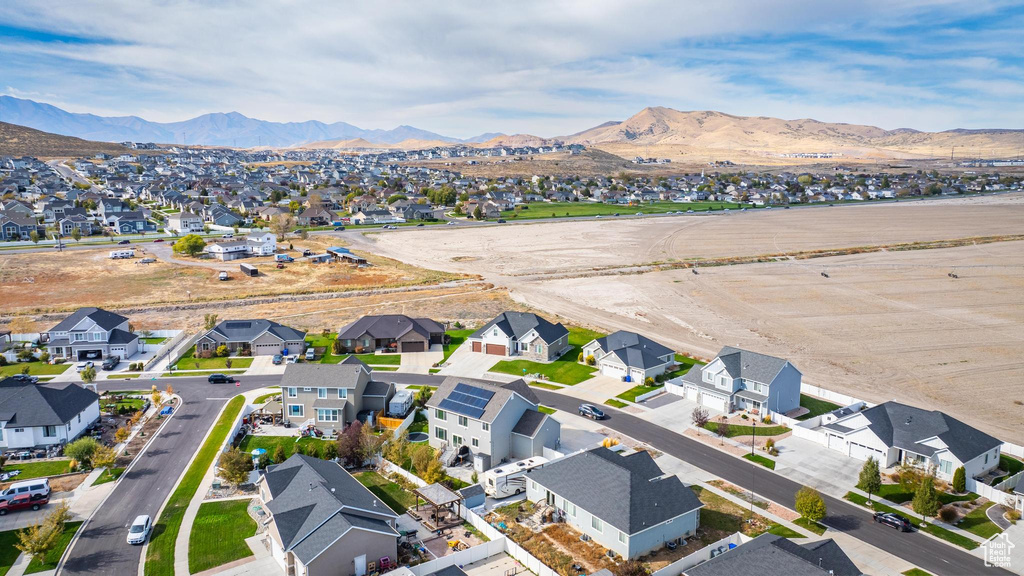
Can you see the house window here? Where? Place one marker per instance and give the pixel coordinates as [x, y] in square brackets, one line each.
[439, 414]
[79, 337]
[476, 442]
[533, 485]
[206, 346]
[296, 410]
[707, 376]
[495, 332]
[571, 509]
[49, 431]
[463, 421]
[538, 349]
[342, 393]
[293, 392]
[321, 392]
[456, 440]
[986, 458]
[596, 524]
[622, 537]
[307, 389]
[326, 415]
[79, 417]
[486, 426]
[441, 433]
[946, 467]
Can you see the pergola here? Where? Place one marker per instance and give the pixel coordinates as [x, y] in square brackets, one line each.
[271, 408]
[438, 498]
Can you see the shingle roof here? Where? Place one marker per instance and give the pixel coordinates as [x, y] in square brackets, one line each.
[502, 392]
[631, 340]
[750, 365]
[43, 404]
[519, 324]
[529, 423]
[323, 375]
[771, 554]
[905, 427]
[620, 490]
[248, 330]
[106, 320]
[389, 326]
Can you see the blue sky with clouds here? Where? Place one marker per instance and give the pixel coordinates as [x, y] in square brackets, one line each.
[546, 68]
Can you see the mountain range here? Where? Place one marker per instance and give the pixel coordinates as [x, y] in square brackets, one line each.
[217, 129]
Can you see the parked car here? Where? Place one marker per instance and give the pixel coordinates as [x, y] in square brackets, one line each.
[616, 214]
[139, 530]
[310, 355]
[292, 359]
[690, 211]
[220, 379]
[420, 224]
[639, 213]
[591, 411]
[26, 378]
[339, 228]
[450, 223]
[228, 235]
[893, 520]
[125, 242]
[111, 362]
[22, 503]
[222, 276]
[147, 261]
[35, 489]
[83, 365]
[158, 240]
[278, 359]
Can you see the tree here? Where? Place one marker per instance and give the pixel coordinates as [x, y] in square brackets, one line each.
[104, 457]
[34, 236]
[76, 233]
[434, 472]
[350, 444]
[38, 539]
[960, 480]
[329, 451]
[870, 479]
[810, 504]
[190, 245]
[423, 396]
[700, 417]
[88, 375]
[282, 224]
[421, 458]
[631, 568]
[926, 499]
[369, 443]
[169, 391]
[396, 197]
[395, 449]
[235, 466]
[279, 455]
[478, 214]
[722, 429]
[82, 450]
[209, 321]
[121, 435]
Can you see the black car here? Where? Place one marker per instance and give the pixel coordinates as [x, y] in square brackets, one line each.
[111, 362]
[339, 228]
[125, 242]
[893, 520]
[420, 224]
[591, 411]
[220, 379]
[501, 220]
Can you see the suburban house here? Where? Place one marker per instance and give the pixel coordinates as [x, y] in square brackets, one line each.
[41, 414]
[742, 380]
[623, 501]
[628, 354]
[392, 332]
[521, 334]
[498, 422]
[332, 396]
[316, 216]
[185, 222]
[323, 521]
[253, 338]
[130, 223]
[374, 216]
[91, 334]
[771, 554]
[14, 226]
[259, 244]
[895, 433]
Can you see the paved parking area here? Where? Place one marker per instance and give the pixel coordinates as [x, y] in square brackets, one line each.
[421, 362]
[465, 362]
[663, 399]
[265, 365]
[673, 414]
[812, 464]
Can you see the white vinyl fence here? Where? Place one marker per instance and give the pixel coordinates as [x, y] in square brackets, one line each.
[703, 555]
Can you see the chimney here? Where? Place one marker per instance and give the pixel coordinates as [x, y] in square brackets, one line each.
[310, 486]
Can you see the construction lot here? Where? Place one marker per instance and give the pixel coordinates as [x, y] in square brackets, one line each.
[887, 323]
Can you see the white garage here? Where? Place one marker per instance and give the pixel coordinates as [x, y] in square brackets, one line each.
[713, 402]
[836, 443]
[613, 370]
[862, 452]
[691, 393]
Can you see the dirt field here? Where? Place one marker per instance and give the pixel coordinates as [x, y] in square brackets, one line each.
[884, 325]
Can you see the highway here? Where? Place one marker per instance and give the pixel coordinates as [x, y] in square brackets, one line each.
[101, 547]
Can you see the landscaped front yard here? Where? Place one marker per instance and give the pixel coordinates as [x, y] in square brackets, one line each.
[939, 532]
[739, 430]
[35, 368]
[631, 394]
[327, 356]
[188, 361]
[218, 535]
[456, 339]
[566, 370]
[30, 469]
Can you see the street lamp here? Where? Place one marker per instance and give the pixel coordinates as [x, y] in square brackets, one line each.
[753, 467]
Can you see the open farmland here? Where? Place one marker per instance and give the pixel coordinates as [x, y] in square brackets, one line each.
[889, 323]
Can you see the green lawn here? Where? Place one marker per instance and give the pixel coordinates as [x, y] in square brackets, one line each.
[615, 403]
[8, 553]
[153, 341]
[817, 406]
[107, 403]
[265, 397]
[947, 535]
[898, 494]
[545, 386]
[685, 363]
[546, 409]
[31, 469]
[916, 572]
[535, 210]
[160, 553]
[396, 498]
[631, 394]
[565, 370]
[736, 430]
[457, 338]
[218, 535]
[977, 523]
[785, 532]
[35, 368]
[329, 357]
[270, 444]
[50, 559]
[188, 361]
[1010, 464]
[108, 475]
[810, 525]
[180, 374]
[766, 462]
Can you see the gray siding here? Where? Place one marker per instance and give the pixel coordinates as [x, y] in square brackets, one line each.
[784, 391]
[340, 557]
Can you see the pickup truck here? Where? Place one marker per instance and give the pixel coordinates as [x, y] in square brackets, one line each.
[22, 502]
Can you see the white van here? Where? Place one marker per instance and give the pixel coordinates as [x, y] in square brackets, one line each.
[38, 489]
[119, 254]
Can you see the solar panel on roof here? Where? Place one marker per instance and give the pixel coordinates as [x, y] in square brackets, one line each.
[460, 408]
[474, 391]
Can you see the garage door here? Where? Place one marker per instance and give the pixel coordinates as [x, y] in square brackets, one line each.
[476, 347]
[836, 443]
[90, 354]
[714, 402]
[496, 349]
[613, 371]
[266, 349]
[413, 346]
[861, 452]
[691, 394]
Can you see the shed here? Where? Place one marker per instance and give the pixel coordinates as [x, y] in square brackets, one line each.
[352, 259]
[320, 258]
[338, 251]
[400, 403]
[473, 496]
[249, 270]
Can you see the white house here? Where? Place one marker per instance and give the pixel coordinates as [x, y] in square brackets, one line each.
[895, 433]
[185, 222]
[521, 334]
[92, 334]
[262, 243]
[741, 380]
[628, 354]
[43, 414]
[258, 244]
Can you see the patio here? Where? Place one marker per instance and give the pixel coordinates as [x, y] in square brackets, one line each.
[439, 516]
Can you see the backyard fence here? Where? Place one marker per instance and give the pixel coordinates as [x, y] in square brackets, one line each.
[704, 554]
[837, 397]
[401, 428]
[995, 493]
[390, 467]
[648, 395]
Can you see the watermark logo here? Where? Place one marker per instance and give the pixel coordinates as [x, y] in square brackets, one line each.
[997, 551]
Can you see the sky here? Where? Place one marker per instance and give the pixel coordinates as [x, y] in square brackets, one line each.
[545, 68]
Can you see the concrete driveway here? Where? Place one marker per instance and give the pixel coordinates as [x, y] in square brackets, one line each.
[421, 362]
[814, 465]
[465, 362]
[264, 365]
[673, 415]
[22, 518]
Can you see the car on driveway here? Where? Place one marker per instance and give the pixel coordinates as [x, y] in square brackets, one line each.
[591, 411]
[111, 362]
[83, 365]
[24, 502]
[893, 521]
[220, 379]
[139, 530]
[278, 359]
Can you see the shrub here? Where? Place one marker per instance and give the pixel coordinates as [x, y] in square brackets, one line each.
[948, 514]
[25, 354]
[591, 360]
[235, 466]
[580, 358]
[960, 480]
[329, 451]
[766, 420]
[222, 351]
[648, 381]
[1013, 516]
[3, 361]
[337, 347]
[44, 357]
[279, 454]
[769, 444]
[82, 450]
[359, 349]
[744, 416]
[457, 325]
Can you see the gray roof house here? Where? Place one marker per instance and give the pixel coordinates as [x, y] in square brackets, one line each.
[43, 414]
[742, 380]
[521, 334]
[497, 421]
[628, 354]
[331, 396]
[624, 502]
[895, 433]
[253, 337]
[771, 555]
[392, 332]
[91, 334]
[323, 521]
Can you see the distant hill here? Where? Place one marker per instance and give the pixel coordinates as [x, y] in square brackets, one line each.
[21, 141]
